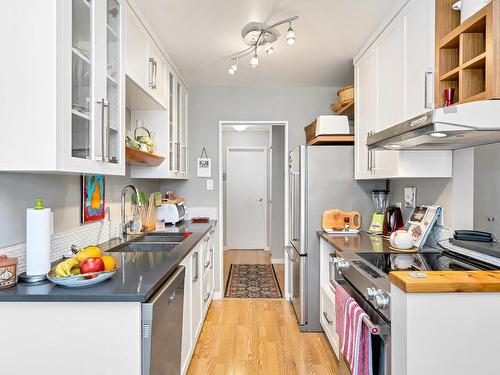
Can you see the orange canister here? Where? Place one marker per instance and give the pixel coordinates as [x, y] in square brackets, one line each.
[8, 274]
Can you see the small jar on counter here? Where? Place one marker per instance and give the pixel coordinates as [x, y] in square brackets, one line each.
[8, 272]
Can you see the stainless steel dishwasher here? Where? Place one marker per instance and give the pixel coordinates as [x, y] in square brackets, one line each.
[162, 327]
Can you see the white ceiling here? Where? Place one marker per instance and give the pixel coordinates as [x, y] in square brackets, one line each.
[200, 34]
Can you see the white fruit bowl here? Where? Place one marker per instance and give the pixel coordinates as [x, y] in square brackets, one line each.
[77, 281]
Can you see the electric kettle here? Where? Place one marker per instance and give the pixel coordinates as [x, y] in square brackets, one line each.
[393, 221]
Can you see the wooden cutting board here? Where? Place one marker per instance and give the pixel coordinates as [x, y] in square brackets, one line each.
[334, 219]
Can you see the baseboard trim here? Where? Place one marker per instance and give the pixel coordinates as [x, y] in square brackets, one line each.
[277, 261]
[217, 296]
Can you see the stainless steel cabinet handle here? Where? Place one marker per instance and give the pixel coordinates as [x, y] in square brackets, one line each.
[196, 275]
[152, 73]
[105, 133]
[428, 104]
[104, 128]
[155, 69]
[207, 296]
[207, 264]
[328, 320]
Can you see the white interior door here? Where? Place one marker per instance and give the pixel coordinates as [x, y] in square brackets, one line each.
[246, 197]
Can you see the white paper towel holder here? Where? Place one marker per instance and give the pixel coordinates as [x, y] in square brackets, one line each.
[24, 277]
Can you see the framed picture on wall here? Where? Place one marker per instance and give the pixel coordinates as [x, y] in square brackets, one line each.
[93, 199]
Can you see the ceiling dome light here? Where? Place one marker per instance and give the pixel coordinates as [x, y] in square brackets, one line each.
[439, 135]
[240, 128]
[269, 48]
[290, 35]
[254, 61]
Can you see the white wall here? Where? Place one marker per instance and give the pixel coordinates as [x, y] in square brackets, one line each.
[62, 193]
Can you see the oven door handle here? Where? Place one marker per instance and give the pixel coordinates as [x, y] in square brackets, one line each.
[375, 329]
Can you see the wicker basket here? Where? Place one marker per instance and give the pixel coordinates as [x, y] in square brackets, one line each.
[346, 93]
[310, 131]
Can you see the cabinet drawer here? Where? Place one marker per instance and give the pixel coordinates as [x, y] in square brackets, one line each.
[327, 319]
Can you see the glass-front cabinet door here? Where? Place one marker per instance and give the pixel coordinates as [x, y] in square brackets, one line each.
[97, 107]
[184, 132]
[113, 82]
[171, 125]
[81, 74]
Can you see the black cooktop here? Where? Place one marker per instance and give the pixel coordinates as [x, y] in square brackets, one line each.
[422, 262]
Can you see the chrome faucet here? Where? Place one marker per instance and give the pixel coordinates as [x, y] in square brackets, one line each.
[123, 224]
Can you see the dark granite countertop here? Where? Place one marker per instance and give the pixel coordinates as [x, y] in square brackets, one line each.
[140, 274]
[361, 242]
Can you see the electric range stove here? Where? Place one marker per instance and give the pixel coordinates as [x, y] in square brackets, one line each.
[368, 273]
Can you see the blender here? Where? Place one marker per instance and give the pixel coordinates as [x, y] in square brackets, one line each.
[380, 200]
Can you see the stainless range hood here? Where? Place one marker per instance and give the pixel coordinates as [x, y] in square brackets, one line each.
[449, 128]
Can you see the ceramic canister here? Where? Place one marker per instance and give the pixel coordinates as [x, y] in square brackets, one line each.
[8, 276]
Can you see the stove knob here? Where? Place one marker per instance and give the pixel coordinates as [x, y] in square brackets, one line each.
[381, 301]
[342, 265]
[371, 293]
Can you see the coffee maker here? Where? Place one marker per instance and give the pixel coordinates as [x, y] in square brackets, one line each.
[380, 200]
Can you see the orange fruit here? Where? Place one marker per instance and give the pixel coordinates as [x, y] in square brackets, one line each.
[109, 262]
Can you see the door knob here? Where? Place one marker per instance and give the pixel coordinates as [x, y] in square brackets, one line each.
[259, 199]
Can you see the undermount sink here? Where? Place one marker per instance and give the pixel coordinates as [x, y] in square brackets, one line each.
[142, 246]
[161, 237]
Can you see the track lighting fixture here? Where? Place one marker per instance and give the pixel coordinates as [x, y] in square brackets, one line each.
[290, 35]
[269, 48]
[256, 35]
[254, 61]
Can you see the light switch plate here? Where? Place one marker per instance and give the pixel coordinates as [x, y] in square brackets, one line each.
[210, 184]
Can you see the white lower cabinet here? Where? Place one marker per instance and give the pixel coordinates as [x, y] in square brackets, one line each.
[198, 294]
[327, 315]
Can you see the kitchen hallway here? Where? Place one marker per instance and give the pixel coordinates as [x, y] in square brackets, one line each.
[259, 336]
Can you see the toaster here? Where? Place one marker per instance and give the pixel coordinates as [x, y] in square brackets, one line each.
[171, 213]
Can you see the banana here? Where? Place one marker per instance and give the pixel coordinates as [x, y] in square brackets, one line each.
[63, 269]
[88, 252]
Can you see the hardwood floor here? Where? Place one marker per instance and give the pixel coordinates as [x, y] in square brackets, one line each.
[258, 336]
[252, 257]
[254, 337]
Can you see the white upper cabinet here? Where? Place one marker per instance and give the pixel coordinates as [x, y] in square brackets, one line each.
[366, 116]
[146, 65]
[419, 61]
[63, 88]
[393, 82]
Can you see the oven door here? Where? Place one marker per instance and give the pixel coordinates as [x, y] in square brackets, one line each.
[381, 344]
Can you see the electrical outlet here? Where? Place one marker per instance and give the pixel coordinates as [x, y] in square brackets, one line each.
[210, 184]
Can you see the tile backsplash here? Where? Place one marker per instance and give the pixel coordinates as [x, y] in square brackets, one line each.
[85, 235]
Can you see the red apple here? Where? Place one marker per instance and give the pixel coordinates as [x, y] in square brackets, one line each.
[91, 265]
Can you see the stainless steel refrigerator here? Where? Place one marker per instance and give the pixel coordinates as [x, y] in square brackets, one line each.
[321, 178]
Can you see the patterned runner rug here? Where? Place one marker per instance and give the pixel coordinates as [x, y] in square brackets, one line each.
[252, 281]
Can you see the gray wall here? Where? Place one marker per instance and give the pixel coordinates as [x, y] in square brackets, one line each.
[60, 192]
[209, 105]
[487, 188]
[278, 196]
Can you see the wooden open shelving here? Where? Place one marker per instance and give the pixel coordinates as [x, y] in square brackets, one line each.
[332, 139]
[466, 55]
[138, 157]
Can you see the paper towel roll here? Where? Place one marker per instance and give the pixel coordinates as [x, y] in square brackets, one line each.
[38, 232]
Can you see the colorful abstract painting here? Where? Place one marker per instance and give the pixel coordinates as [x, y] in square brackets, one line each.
[93, 203]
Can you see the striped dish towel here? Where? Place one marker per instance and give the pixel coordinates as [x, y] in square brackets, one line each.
[354, 334]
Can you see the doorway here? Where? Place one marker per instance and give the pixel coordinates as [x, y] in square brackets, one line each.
[253, 204]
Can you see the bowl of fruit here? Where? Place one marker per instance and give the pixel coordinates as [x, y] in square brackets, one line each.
[87, 267]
